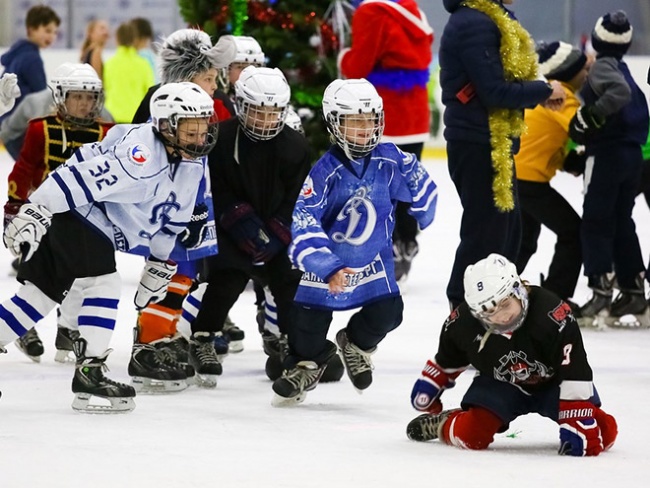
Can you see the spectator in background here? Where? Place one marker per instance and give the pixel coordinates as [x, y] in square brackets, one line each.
[397, 64]
[23, 57]
[127, 77]
[142, 43]
[97, 34]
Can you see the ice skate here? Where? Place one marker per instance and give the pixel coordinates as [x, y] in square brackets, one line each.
[630, 308]
[595, 312]
[181, 347]
[292, 387]
[31, 345]
[221, 346]
[234, 335]
[154, 370]
[64, 339]
[89, 383]
[427, 427]
[203, 358]
[403, 254]
[358, 363]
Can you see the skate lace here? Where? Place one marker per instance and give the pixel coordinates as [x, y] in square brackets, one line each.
[429, 426]
[103, 368]
[300, 377]
[30, 337]
[358, 361]
[165, 357]
[206, 353]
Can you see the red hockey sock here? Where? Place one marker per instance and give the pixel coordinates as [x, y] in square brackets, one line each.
[471, 429]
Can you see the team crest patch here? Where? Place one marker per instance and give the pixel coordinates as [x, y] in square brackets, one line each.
[560, 313]
[307, 188]
[139, 154]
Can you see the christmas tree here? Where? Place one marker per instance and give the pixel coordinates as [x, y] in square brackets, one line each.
[297, 36]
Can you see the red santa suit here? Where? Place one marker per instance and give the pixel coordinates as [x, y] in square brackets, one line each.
[391, 48]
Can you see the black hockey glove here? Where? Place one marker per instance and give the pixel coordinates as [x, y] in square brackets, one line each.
[575, 162]
[279, 239]
[586, 121]
[246, 228]
[193, 234]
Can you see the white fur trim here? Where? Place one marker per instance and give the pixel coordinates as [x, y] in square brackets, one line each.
[576, 390]
[555, 61]
[611, 37]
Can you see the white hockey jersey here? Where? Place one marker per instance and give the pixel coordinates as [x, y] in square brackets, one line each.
[126, 188]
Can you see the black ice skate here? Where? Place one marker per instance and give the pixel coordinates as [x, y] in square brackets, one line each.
[64, 340]
[275, 361]
[630, 308]
[234, 335]
[31, 345]
[596, 310]
[403, 254]
[154, 370]
[427, 427]
[221, 346]
[357, 361]
[181, 348]
[291, 388]
[89, 381]
[203, 358]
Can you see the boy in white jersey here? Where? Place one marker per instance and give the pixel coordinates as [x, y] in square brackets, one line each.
[135, 188]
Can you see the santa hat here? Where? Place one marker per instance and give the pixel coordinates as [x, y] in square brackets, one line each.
[560, 61]
[612, 33]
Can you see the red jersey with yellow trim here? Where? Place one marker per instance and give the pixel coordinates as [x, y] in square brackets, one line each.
[46, 147]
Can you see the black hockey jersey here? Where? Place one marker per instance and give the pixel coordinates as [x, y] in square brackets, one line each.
[545, 351]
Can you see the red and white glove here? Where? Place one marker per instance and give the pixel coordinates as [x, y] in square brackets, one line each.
[426, 392]
[579, 432]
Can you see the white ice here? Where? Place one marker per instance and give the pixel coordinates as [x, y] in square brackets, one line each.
[233, 437]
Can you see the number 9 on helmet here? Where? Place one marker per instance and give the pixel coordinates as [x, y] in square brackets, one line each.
[183, 114]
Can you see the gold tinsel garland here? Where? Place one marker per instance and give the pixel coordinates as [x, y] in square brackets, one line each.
[519, 64]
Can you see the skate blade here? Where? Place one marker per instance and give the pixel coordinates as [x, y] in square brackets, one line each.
[151, 386]
[81, 404]
[205, 380]
[280, 401]
[36, 359]
[235, 346]
[63, 356]
[593, 323]
[630, 321]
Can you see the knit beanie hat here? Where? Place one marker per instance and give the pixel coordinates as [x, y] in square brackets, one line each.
[560, 61]
[612, 33]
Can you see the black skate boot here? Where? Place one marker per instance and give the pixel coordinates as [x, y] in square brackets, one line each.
[278, 351]
[154, 371]
[357, 361]
[221, 346]
[403, 253]
[234, 335]
[167, 349]
[630, 308]
[89, 381]
[181, 347]
[64, 340]
[427, 427]
[594, 312]
[204, 359]
[270, 343]
[31, 345]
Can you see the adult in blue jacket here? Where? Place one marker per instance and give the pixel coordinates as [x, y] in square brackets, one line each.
[488, 76]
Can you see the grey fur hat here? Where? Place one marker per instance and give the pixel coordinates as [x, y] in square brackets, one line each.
[183, 57]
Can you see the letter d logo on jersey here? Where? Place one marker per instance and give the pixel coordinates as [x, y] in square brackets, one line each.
[139, 154]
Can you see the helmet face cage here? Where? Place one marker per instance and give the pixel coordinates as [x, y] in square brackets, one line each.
[62, 88]
[195, 145]
[490, 285]
[357, 134]
[261, 122]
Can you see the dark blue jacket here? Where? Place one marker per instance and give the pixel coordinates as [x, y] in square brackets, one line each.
[469, 54]
[24, 59]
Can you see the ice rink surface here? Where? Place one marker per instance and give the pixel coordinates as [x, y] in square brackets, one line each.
[232, 436]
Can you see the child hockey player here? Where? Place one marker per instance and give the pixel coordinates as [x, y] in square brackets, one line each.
[49, 142]
[527, 349]
[135, 188]
[341, 240]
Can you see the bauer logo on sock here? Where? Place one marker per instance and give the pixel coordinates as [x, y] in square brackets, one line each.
[139, 154]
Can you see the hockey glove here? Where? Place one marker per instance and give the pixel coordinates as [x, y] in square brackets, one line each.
[586, 120]
[575, 162]
[426, 392]
[153, 282]
[279, 239]
[246, 228]
[11, 210]
[24, 232]
[579, 432]
[9, 91]
[193, 234]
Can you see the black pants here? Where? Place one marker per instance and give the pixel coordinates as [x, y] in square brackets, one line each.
[226, 283]
[608, 230]
[406, 227]
[366, 328]
[484, 229]
[70, 250]
[542, 205]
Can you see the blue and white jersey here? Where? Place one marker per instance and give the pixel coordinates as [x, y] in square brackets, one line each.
[125, 187]
[344, 217]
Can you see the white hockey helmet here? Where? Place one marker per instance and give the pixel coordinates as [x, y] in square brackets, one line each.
[248, 52]
[347, 103]
[174, 102]
[262, 96]
[488, 284]
[77, 77]
[293, 120]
